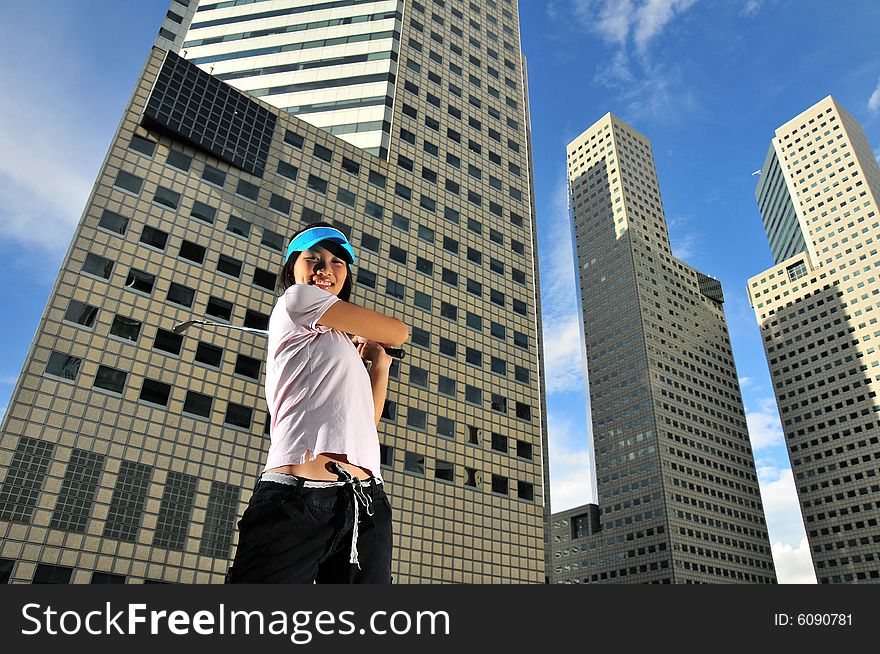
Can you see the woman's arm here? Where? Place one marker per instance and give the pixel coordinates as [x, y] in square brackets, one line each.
[380, 365]
[352, 319]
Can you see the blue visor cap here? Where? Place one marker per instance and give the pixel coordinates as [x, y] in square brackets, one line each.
[315, 235]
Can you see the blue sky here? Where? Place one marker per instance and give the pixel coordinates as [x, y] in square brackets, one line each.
[706, 81]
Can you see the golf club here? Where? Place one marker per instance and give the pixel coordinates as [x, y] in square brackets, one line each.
[394, 352]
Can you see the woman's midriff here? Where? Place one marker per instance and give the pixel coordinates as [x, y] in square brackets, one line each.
[319, 469]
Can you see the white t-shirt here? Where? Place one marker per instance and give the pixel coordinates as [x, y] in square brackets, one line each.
[317, 387]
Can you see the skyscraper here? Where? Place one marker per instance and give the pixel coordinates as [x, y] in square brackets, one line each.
[129, 451]
[678, 495]
[816, 309]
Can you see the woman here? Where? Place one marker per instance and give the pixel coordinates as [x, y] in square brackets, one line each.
[319, 512]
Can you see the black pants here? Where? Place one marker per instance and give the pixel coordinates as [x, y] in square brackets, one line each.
[291, 534]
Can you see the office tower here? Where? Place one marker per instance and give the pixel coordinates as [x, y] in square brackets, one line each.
[817, 310]
[678, 497]
[129, 451]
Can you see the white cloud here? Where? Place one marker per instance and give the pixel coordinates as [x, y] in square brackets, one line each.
[874, 100]
[570, 470]
[616, 21]
[654, 15]
[794, 565]
[56, 141]
[782, 510]
[751, 8]
[745, 382]
[765, 430]
[559, 306]
[8, 380]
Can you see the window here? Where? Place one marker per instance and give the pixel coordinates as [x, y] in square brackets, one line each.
[447, 347]
[475, 225]
[214, 176]
[97, 266]
[414, 463]
[125, 328]
[524, 450]
[110, 379]
[138, 280]
[247, 190]
[63, 365]
[499, 403]
[473, 394]
[238, 415]
[192, 252]
[418, 377]
[446, 386]
[406, 135]
[154, 237]
[422, 300]
[521, 374]
[449, 277]
[496, 297]
[452, 160]
[180, 294]
[430, 175]
[256, 319]
[499, 484]
[264, 279]
[397, 254]
[51, 574]
[499, 442]
[426, 234]
[474, 434]
[323, 153]
[247, 366]
[229, 266]
[444, 470]
[498, 366]
[317, 184]
[474, 287]
[351, 167]
[370, 242]
[219, 308]
[238, 226]
[81, 313]
[309, 215]
[416, 418]
[386, 456]
[518, 276]
[376, 179]
[179, 160]
[445, 427]
[521, 340]
[203, 212]
[107, 577]
[474, 321]
[280, 204]
[498, 330]
[424, 266]
[366, 278]
[128, 182]
[450, 245]
[287, 170]
[402, 191]
[168, 342]
[796, 271]
[272, 240]
[400, 222]
[520, 307]
[113, 222]
[475, 255]
[294, 139]
[496, 237]
[395, 289]
[405, 162]
[523, 411]
[420, 337]
[470, 477]
[428, 203]
[374, 210]
[525, 491]
[451, 215]
[473, 357]
[155, 392]
[496, 266]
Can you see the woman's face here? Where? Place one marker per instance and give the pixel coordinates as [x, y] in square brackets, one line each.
[318, 267]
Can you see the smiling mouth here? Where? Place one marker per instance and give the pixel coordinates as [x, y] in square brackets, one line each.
[320, 283]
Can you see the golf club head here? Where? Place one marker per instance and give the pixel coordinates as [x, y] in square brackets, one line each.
[182, 327]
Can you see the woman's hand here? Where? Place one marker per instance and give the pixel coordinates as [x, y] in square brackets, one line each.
[373, 352]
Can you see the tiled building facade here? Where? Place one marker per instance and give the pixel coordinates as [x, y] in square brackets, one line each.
[128, 452]
[817, 313]
[678, 494]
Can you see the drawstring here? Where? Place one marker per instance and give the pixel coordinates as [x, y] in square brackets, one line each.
[359, 498]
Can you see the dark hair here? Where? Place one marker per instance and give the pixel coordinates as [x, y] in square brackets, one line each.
[285, 276]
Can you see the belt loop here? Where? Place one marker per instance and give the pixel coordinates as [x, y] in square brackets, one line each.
[297, 490]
